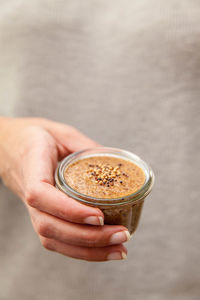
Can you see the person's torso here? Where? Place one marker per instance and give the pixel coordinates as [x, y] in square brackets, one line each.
[126, 73]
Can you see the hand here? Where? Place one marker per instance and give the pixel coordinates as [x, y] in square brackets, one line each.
[30, 149]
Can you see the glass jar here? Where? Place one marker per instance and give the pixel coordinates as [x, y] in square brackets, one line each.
[125, 210]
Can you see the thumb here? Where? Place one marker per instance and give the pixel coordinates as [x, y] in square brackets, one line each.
[70, 139]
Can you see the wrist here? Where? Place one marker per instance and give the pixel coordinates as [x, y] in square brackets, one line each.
[5, 123]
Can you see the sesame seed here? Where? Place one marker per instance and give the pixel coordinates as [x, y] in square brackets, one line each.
[104, 173]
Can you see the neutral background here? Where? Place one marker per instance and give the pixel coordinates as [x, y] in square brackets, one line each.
[126, 73]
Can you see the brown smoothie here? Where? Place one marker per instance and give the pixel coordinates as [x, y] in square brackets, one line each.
[117, 184]
[104, 177]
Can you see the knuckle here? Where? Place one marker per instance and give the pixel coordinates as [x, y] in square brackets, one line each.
[44, 229]
[47, 244]
[91, 238]
[62, 212]
[31, 197]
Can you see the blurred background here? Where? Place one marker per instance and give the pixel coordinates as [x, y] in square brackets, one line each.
[127, 74]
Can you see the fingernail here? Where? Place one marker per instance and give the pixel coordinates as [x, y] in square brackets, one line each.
[116, 256]
[124, 255]
[101, 221]
[94, 220]
[120, 237]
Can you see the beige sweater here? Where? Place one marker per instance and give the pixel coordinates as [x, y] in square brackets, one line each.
[127, 73]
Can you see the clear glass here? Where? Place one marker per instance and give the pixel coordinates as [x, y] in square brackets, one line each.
[125, 210]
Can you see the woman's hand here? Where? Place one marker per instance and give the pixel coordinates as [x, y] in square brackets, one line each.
[30, 149]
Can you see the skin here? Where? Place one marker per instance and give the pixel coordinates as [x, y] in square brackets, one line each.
[30, 149]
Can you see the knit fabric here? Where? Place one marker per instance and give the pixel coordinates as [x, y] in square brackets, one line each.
[127, 74]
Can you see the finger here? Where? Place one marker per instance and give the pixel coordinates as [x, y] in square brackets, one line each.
[76, 234]
[71, 138]
[117, 252]
[62, 151]
[48, 199]
[68, 138]
[78, 141]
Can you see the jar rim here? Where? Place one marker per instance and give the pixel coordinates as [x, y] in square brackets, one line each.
[104, 151]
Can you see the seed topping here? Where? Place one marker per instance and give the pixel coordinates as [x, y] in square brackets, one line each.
[104, 174]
